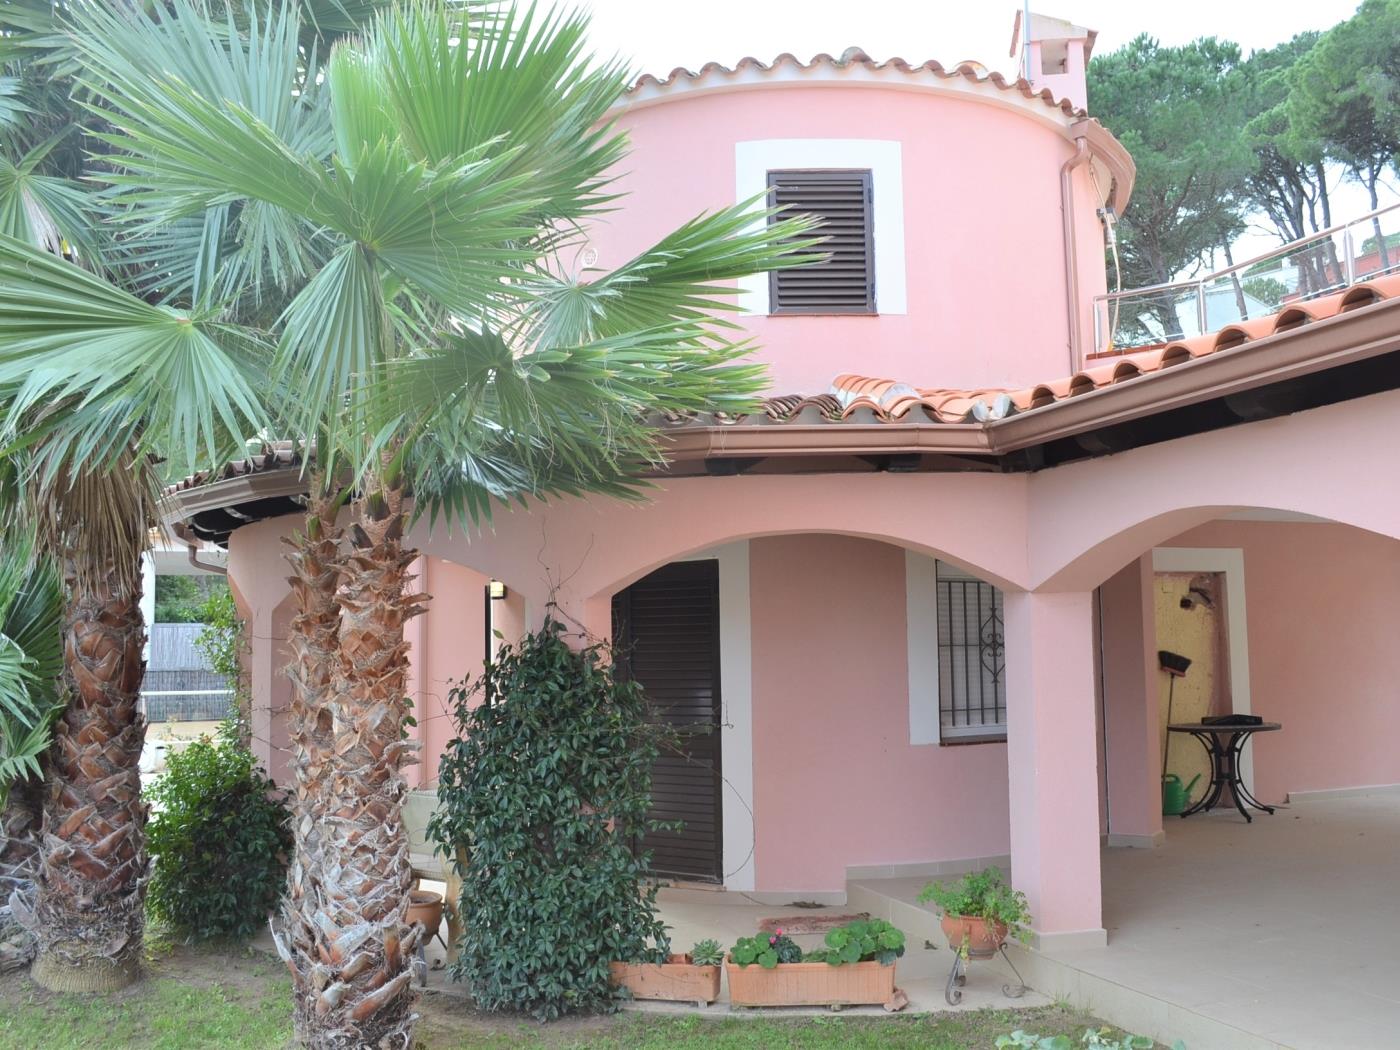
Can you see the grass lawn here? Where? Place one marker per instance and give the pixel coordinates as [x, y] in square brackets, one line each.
[240, 999]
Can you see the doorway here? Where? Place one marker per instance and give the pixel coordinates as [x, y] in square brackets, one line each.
[1190, 616]
[667, 624]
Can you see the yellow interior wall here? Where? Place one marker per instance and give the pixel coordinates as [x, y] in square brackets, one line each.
[1193, 633]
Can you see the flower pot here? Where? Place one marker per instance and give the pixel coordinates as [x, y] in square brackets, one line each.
[425, 907]
[676, 980]
[813, 984]
[983, 936]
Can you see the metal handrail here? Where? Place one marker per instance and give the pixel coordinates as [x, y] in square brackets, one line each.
[1349, 254]
[1274, 253]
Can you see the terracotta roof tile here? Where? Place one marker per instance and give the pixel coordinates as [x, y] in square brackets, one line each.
[275, 455]
[854, 56]
[860, 399]
[855, 398]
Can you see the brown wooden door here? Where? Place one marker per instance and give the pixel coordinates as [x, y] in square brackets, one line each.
[668, 624]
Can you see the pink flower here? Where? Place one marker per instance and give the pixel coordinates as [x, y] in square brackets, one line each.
[780, 933]
[772, 940]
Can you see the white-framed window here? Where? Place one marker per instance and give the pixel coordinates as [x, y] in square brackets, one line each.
[957, 654]
[882, 159]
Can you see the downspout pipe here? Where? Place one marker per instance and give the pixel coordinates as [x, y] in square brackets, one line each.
[204, 566]
[1082, 156]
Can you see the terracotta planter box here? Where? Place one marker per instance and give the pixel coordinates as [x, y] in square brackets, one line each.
[677, 980]
[813, 984]
[983, 936]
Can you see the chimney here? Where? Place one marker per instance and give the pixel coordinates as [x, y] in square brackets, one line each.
[1054, 54]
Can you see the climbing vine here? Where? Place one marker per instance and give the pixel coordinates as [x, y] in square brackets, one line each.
[541, 799]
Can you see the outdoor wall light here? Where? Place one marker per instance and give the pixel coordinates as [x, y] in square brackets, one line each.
[496, 589]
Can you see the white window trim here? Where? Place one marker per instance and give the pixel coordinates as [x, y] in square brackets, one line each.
[753, 160]
[921, 644]
[1230, 562]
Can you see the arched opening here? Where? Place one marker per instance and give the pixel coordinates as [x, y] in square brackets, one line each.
[855, 694]
[1279, 616]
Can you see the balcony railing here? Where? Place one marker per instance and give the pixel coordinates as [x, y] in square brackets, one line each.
[1314, 266]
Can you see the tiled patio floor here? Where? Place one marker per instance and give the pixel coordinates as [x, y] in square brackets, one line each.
[1283, 933]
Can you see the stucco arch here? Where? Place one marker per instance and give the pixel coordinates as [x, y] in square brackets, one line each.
[1335, 463]
[581, 552]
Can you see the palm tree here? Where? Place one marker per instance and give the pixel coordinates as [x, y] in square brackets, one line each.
[401, 225]
[31, 658]
[97, 386]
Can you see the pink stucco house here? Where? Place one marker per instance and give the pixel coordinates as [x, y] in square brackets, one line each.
[920, 596]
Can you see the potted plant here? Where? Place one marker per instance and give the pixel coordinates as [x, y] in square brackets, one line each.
[854, 968]
[980, 911]
[693, 977]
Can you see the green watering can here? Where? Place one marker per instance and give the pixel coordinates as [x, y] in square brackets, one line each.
[1176, 795]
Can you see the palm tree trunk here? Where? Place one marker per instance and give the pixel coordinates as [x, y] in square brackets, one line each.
[343, 933]
[89, 912]
[19, 859]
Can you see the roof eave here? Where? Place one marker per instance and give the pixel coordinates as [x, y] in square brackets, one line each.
[1322, 345]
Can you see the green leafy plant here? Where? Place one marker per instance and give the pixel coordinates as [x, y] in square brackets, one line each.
[223, 643]
[766, 949]
[1096, 1038]
[983, 894]
[219, 839]
[865, 940]
[541, 799]
[707, 953]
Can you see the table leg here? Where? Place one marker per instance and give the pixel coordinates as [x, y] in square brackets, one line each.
[1242, 793]
[1217, 782]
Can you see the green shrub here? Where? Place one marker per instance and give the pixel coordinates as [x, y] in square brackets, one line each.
[219, 837]
[545, 791]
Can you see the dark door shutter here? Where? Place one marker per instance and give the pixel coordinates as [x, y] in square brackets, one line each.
[843, 283]
[668, 623]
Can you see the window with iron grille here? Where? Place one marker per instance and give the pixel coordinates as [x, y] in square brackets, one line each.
[971, 656]
[844, 282]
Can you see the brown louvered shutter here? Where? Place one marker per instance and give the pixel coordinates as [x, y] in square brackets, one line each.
[844, 283]
[668, 625]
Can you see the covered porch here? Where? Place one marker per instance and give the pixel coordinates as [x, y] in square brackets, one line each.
[1230, 936]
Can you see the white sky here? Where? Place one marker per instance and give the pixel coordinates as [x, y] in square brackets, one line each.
[658, 35]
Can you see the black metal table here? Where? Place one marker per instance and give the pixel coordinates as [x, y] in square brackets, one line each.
[1224, 743]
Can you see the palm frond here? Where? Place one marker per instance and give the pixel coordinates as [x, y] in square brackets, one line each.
[683, 277]
[519, 79]
[31, 657]
[575, 419]
[203, 245]
[81, 357]
[54, 214]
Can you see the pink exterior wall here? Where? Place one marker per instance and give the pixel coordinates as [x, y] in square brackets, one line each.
[982, 226]
[450, 646]
[1132, 757]
[836, 782]
[1322, 602]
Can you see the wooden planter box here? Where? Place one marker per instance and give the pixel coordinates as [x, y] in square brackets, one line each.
[813, 984]
[677, 980]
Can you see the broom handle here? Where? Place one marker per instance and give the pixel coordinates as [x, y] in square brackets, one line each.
[1167, 737]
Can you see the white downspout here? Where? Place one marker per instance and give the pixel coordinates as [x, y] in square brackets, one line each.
[1071, 253]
